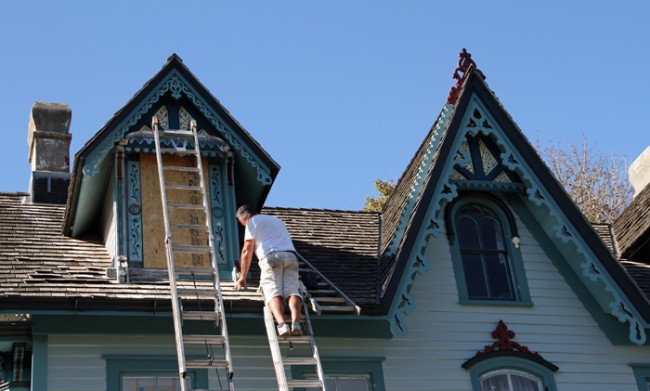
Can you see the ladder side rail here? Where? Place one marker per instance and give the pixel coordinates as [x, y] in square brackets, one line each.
[276, 354]
[213, 258]
[347, 299]
[176, 312]
[319, 366]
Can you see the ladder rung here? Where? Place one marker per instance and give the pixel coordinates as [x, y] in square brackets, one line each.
[190, 248]
[299, 361]
[205, 363]
[305, 383]
[203, 339]
[178, 151]
[183, 187]
[181, 168]
[200, 315]
[304, 339]
[201, 293]
[176, 133]
[186, 206]
[193, 270]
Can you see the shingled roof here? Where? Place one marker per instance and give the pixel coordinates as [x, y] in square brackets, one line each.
[343, 245]
[40, 268]
[639, 271]
[632, 228]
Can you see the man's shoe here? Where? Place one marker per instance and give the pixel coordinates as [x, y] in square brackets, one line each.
[296, 329]
[284, 330]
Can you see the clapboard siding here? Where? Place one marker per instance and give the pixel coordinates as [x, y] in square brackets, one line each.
[442, 334]
[77, 362]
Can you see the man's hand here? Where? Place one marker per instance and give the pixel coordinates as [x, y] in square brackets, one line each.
[240, 284]
[246, 255]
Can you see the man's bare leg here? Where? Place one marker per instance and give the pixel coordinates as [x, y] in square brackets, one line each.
[276, 305]
[294, 306]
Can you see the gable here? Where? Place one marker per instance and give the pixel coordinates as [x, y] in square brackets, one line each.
[476, 116]
[173, 95]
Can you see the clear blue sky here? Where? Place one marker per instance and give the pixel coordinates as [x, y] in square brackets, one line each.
[338, 92]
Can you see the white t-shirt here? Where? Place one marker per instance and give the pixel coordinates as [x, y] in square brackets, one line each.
[269, 234]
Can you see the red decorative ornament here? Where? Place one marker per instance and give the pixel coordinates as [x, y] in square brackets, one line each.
[464, 63]
[504, 342]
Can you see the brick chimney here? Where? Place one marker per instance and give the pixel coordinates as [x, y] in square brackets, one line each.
[49, 138]
[639, 172]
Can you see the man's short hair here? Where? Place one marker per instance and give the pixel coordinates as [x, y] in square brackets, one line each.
[244, 211]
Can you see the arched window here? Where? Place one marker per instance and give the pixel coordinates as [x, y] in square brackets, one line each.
[484, 254]
[487, 262]
[506, 365]
[510, 380]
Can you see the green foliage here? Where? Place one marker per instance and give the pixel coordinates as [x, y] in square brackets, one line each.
[384, 190]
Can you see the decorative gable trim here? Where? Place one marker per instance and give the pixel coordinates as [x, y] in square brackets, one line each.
[582, 259]
[417, 186]
[177, 85]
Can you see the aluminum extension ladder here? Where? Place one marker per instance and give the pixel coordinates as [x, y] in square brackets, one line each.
[291, 351]
[192, 287]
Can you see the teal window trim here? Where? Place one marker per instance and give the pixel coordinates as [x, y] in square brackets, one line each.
[641, 375]
[511, 363]
[369, 366]
[143, 365]
[222, 217]
[39, 362]
[522, 292]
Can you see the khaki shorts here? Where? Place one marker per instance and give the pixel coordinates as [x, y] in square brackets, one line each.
[279, 275]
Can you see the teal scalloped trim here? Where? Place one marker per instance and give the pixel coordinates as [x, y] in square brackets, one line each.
[175, 83]
[445, 191]
[416, 187]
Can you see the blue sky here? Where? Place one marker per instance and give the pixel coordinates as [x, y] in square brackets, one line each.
[339, 92]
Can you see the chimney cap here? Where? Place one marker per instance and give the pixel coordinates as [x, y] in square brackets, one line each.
[639, 171]
[48, 117]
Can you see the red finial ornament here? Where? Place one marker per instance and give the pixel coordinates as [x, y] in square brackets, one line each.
[464, 62]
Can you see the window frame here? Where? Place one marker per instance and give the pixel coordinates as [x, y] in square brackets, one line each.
[146, 366]
[514, 364]
[508, 229]
[641, 375]
[332, 366]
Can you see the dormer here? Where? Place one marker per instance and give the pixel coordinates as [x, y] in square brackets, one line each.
[115, 192]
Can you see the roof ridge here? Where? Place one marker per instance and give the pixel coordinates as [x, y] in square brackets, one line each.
[321, 209]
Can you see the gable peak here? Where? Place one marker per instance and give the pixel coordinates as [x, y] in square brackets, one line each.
[174, 58]
[465, 62]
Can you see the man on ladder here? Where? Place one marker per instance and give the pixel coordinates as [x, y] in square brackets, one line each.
[268, 237]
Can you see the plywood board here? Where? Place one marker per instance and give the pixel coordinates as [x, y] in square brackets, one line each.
[153, 229]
